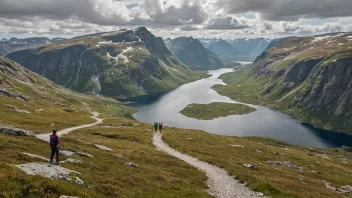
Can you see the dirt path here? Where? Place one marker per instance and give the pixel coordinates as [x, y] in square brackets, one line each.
[46, 136]
[220, 183]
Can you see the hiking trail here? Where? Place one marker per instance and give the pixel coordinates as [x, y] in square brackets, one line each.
[46, 136]
[220, 183]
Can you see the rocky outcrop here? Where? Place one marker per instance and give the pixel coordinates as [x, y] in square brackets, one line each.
[120, 64]
[10, 130]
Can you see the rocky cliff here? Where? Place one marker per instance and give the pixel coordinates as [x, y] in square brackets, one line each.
[191, 52]
[309, 78]
[120, 64]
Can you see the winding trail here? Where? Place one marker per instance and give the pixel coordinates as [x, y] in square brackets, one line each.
[220, 183]
[46, 136]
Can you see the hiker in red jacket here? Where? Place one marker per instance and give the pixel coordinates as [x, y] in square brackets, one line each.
[54, 144]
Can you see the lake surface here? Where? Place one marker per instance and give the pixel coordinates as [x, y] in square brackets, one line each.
[263, 122]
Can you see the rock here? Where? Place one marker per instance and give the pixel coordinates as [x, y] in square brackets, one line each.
[311, 149]
[65, 196]
[238, 146]
[60, 104]
[285, 164]
[17, 109]
[250, 166]
[14, 95]
[10, 130]
[118, 155]
[276, 153]
[147, 130]
[131, 164]
[39, 110]
[327, 185]
[37, 156]
[65, 152]
[71, 160]
[345, 189]
[45, 170]
[127, 124]
[301, 178]
[79, 181]
[83, 154]
[103, 147]
[258, 151]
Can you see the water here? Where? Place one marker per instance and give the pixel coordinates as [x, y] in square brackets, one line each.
[263, 122]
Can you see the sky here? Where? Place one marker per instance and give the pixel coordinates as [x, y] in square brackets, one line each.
[173, 18]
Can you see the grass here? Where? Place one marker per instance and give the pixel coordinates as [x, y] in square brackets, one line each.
[105, 175]
[215, 110]
[272, 180]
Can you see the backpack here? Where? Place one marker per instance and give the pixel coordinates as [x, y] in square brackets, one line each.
[54, 140]
[155, 124]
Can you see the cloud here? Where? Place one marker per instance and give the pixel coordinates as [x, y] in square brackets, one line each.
[280, 10]
[225, 23]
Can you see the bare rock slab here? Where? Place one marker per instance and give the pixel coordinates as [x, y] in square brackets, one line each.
[103, 147]
[83, 154]
[10, 130]
[44, 170]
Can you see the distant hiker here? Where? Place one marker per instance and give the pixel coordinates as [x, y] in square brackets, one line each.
[160, 127]
[54, 144]
[156, 126]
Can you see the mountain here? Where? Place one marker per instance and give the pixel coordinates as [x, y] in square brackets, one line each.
[240, 49]
[120, 64]
[14, 44]
[251, 46]
[191, 52]
[308, 78]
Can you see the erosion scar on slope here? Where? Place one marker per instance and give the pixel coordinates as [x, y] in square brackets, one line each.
[220, 183]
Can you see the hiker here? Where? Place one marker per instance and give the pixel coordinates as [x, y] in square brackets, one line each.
[156, 126]
[54, 144]
[160, 127]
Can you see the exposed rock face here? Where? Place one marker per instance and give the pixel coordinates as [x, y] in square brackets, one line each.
[120, 64]
[191, 52]
[311, 78]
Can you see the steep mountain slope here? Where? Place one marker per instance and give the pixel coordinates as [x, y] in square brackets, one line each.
[251, 46]
[30, 101]
[192, 53]
[120, 64]
[309, 78]
[242, 49]
[14, 44]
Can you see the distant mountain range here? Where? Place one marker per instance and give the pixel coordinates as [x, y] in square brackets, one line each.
[240, 49]
[191, 52]
[120, 64]
[14, 44]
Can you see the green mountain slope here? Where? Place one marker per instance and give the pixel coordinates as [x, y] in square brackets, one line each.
[120, 64]
[309, 78]
[191, 52]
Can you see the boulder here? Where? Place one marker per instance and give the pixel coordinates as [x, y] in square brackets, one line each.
[65, 196]
[36, 156]
[238, 146]
[65, 152]
[71, 160]
[79, 181]
[10, 130]
[250, 166]
[83, 154]
[345, 189]
[131, 164]
[103, 147]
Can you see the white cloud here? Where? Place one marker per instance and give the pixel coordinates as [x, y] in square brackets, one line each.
[211, 18]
